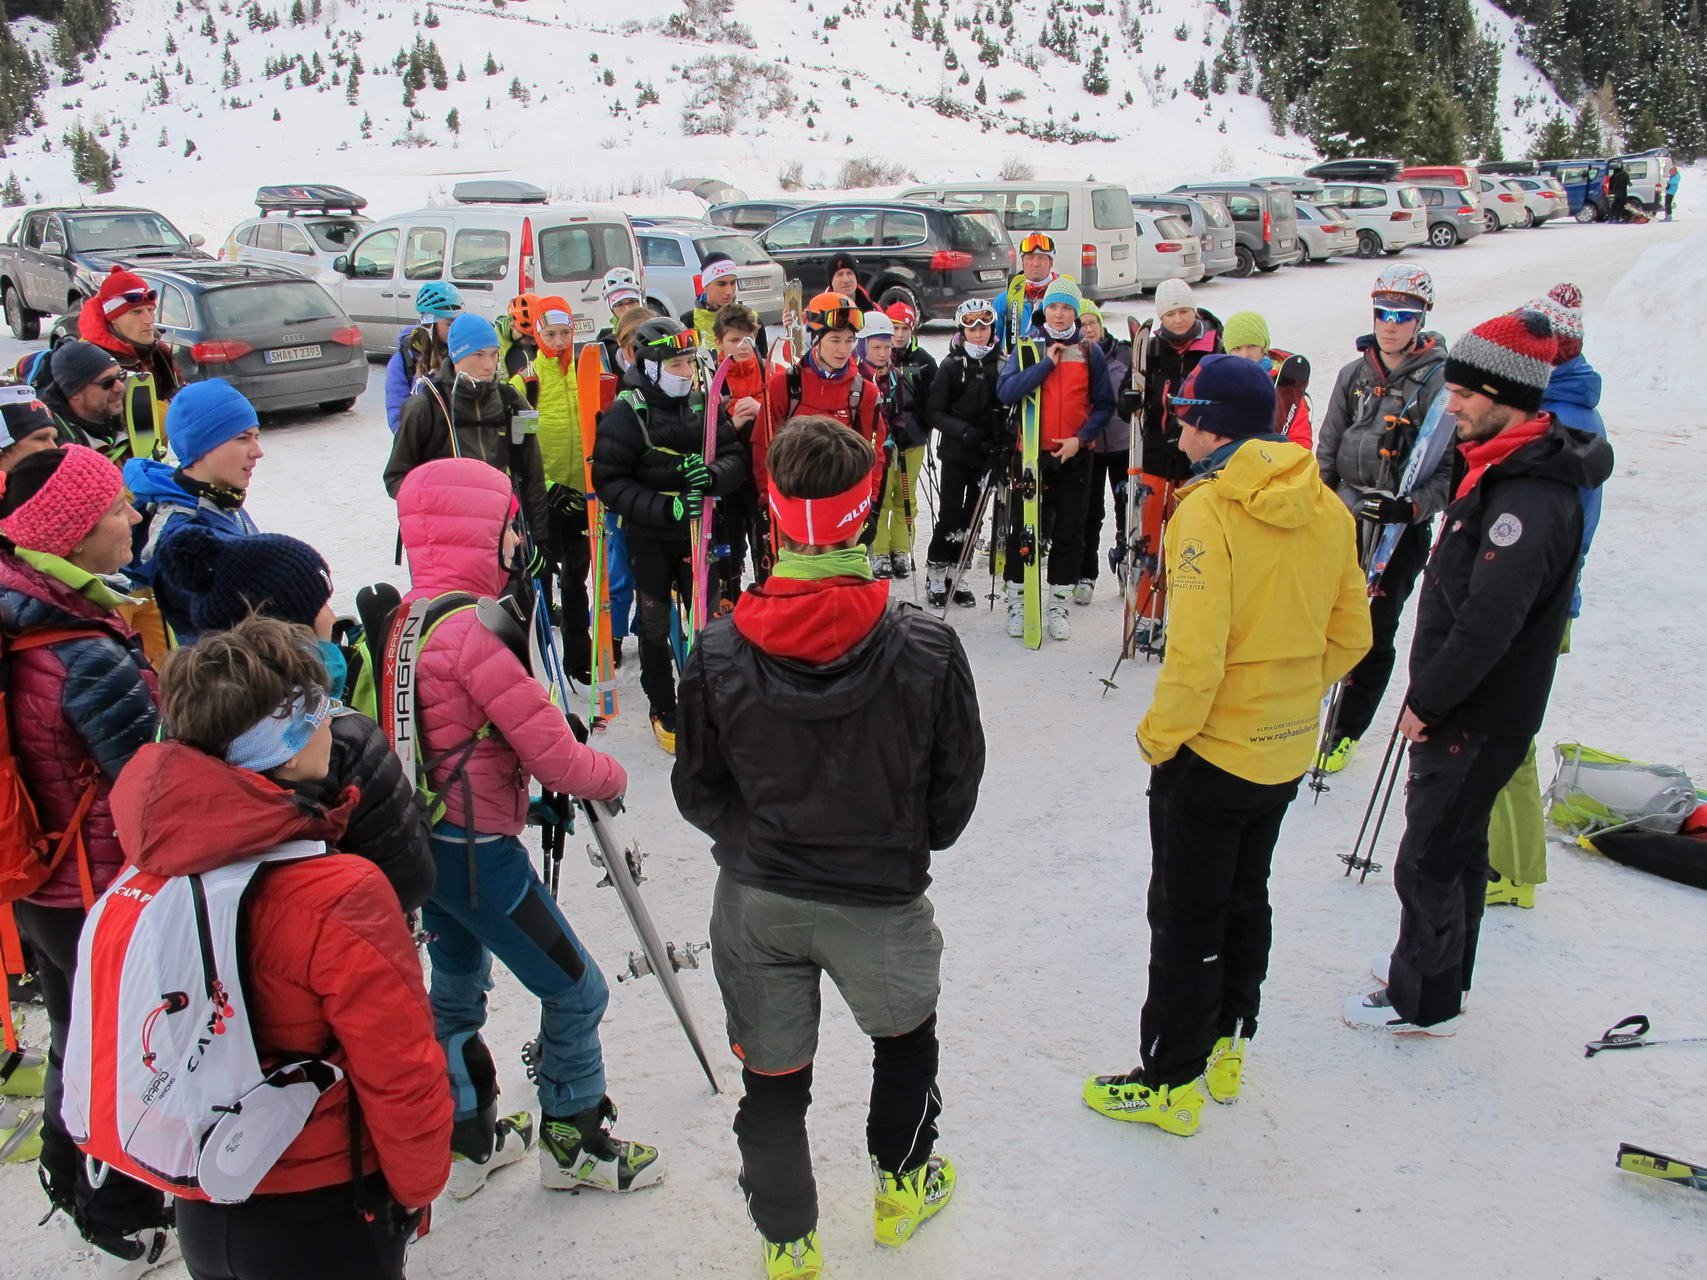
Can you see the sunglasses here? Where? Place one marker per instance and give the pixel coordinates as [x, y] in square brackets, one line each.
[140, 297]
[110, 381]
[1397, 315]
[839, 318]
[1037, 242]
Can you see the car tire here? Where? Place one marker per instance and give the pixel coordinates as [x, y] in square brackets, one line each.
[24, 323]
[1443, 235]
[1528, 218]
[1271, 268]
[338, 406]
[1588, 213]
[1244, 262]
[1368, 244]
[901, 293]
[1490, 220]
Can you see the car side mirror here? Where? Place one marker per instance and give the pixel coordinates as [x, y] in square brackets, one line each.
[53, 249]
[341, 264]
[197, 239]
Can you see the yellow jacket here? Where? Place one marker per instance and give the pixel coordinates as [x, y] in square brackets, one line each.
[1267, 609]
[560, 449]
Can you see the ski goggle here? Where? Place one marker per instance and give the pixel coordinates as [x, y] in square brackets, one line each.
[838, 318]
[686, 340]
[1397, 315]
[1037, 242]
[979, 320]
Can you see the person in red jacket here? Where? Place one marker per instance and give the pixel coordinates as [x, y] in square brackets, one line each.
[331, 966]
[120, 320]
[740, 524]
[828, 382]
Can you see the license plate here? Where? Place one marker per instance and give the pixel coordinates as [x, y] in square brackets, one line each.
[284, 355]
[991, 275]
[1288, 244]
[1120, 251]
[751, 282]
[583, 327]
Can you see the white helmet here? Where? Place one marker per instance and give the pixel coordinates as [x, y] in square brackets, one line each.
[619, 283]
[974, 307]
[877, 325]
[1414, 282]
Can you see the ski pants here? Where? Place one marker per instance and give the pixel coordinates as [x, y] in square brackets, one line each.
[1368, 679]
[120, 1205]
[1156, 505]
[1064, 488]
[1517, 829]
[570, 541]
[1109, 468]
[317, 1233]
[960, 488]
[518, 921]
[659, 568]
[1212, 836]
[1441, 871]
[900, 511]
[621, 579]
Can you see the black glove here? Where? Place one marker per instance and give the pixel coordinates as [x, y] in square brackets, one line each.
[577, 726]
[695, 475]
[565, 500]
[1382, 508]
[1130, 402]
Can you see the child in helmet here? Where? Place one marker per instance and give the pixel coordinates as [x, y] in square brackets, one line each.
[421, 351]
[648, 469]
[516, 339]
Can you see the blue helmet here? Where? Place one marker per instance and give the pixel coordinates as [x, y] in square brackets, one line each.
[437, 299]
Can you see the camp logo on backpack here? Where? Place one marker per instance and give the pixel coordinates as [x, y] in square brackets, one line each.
[162, 1078]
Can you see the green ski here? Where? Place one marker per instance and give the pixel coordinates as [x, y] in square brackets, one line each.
[1026, 487]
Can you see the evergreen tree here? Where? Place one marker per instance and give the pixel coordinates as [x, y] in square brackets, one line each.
[1587, 138]
[12, 195]
[1365, 102]
[491, 67]
[90, 163]
[1439, 132]
[1095, 79]
[1554, 140]
[1198, 85]
[921, 21]
[1646, 132]
[981, 95]
[453, 120]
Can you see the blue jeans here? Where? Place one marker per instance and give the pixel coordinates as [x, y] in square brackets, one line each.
[517, 921]
[621, 580]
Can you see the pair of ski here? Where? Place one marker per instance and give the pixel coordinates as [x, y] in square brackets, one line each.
[1138, 563]
[1632, 1033]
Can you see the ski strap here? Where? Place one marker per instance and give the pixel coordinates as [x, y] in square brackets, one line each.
[1617, 1037]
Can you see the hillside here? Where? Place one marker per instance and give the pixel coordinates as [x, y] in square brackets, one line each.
[762, 93]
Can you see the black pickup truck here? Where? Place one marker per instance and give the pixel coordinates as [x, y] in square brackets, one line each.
[54, 256]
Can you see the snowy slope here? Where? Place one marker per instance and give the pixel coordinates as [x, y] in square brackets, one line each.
[583, 139]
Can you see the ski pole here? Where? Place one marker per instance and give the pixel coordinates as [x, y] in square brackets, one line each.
[1330, 727]
[1381, 817]
[907, 510]
[1351, 859]
[1636, 1038]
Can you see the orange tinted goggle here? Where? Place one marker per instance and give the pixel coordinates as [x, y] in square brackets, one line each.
[1037, 242]
[839, 318]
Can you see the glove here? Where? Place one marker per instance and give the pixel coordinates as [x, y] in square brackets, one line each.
[566, 500]
[1384, 508]
[536, 562]
[577, 726]
[1130, 402]
[695, 475]
[549, 810]
[677, 511]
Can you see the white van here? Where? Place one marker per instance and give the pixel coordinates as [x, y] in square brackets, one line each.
[1091, 223]
[500, 239]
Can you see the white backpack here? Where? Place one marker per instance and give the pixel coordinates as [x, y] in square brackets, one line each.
[162, 1081]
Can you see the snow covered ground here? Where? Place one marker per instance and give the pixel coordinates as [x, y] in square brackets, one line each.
[1487, 1155]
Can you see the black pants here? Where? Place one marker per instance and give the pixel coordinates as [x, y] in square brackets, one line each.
[1369, 677]
[770, 1128]
[1061, 513]
[316, 1233]
[121, 1205]
[574, 550]
[1113, 467]
[1441, 873]
[960, 486]
[658, 567]
[1212, 837]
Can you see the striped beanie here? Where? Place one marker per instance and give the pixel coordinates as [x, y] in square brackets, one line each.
[1063, 289]
[1563, 307]
[1509, 359]
[79, 488]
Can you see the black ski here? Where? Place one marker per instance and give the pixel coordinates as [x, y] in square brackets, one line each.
[1650, 1164]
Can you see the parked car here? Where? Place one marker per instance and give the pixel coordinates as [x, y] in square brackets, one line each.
[1207, 219]
[54, 256]
[316, 222]
[501, 239]
[672, 254]
[929, 255]
[1388, 216]
[1454, 213]
[753, 215]
[1449, 175]
[1543, 198]
[279, 338]
[1584, 183]
[1500, 208]
[1091, 223]
[1510, 168]
[1355, 169]
[1324, 232]
[1649, 171]
[662, 219]
[1265, 222]
[1166, 249]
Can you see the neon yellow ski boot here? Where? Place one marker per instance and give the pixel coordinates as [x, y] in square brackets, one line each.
[1337, 759]
[20, 1134]
[1175, 1110]
[23, 1072]
[1509, 893]
[904, 1200]
[1226, 1068]
[797, 1260]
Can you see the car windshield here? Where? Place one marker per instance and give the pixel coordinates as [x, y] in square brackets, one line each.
[135, 229]
[283, 302]
[742, 251]
[976, 232]
[335, 234]
[1172, 228]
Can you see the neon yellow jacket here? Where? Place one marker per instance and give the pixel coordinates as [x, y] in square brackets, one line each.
[1267, 609]
[559, 421]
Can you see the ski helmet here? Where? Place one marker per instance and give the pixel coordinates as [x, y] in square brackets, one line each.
[831, 311]
[877, 325]
[524, 310]
[973, 308]
[1413, 282]
[439, 300]
[660, 339]
[620, 285]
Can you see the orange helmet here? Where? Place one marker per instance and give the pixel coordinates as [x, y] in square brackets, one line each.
[523, 310]
[830, 311]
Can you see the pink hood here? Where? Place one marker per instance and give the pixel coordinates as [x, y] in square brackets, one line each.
[453, 512]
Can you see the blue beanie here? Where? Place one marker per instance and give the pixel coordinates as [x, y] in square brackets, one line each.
[203, 416]
[1239, 393]
[1064, 289]
[470, 333]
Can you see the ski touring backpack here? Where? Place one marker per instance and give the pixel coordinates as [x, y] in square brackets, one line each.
[162, 1078]
[1595, 791]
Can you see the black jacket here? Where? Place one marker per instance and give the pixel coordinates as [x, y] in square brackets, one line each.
[1497, 592]
[635, 463]
[388, 826]
[1166, 368]
[830, 781]
[1372, 422]
[109, 437]
[973, 424]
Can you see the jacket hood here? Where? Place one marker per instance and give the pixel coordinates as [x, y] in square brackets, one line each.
[1577, 458]
[61, 408]
[92, 326]
[453, 512]
[150, 481]
[836, 685]
[31, 597]
[178, 811]
[1574, 382]
[1276, 482]
[813, 622]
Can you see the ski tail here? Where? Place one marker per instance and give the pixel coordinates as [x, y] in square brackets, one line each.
[1650, 1164]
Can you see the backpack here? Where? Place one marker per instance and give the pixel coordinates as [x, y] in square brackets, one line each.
[162, 1078]
[796, 391]
[1595, 791]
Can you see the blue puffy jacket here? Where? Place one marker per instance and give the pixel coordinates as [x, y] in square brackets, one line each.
[1573, 397]
[166, 505]
[400, 376]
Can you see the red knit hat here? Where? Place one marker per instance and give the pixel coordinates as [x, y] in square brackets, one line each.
[123, 292]
[60, 514]
[1509, 359]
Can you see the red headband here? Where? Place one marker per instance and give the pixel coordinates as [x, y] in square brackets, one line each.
[822, 522]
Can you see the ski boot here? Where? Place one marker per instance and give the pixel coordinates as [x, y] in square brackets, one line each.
[1060, 627]
[797, 1260]
[1016, 610]
[1380, 964]
[483, 1144]
[901, 564]
[23, 1073]
[1333, 761]
[578, 1151]
[936, 585]
[904, 1200]
[1375, 1012]
[882, 567]
[1173, 1110]
[1501, 893]
[127, 1257]
[20, 1134]
[1082, 593]
[963, 596]
[664, 729]
[1226, 1068]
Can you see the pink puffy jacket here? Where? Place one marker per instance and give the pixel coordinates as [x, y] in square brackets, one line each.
[454, 512]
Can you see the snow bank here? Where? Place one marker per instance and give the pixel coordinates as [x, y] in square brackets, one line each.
[1664, 294]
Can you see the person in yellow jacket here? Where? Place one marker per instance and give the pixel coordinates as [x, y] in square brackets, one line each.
[1267, 609]
[549, 382]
